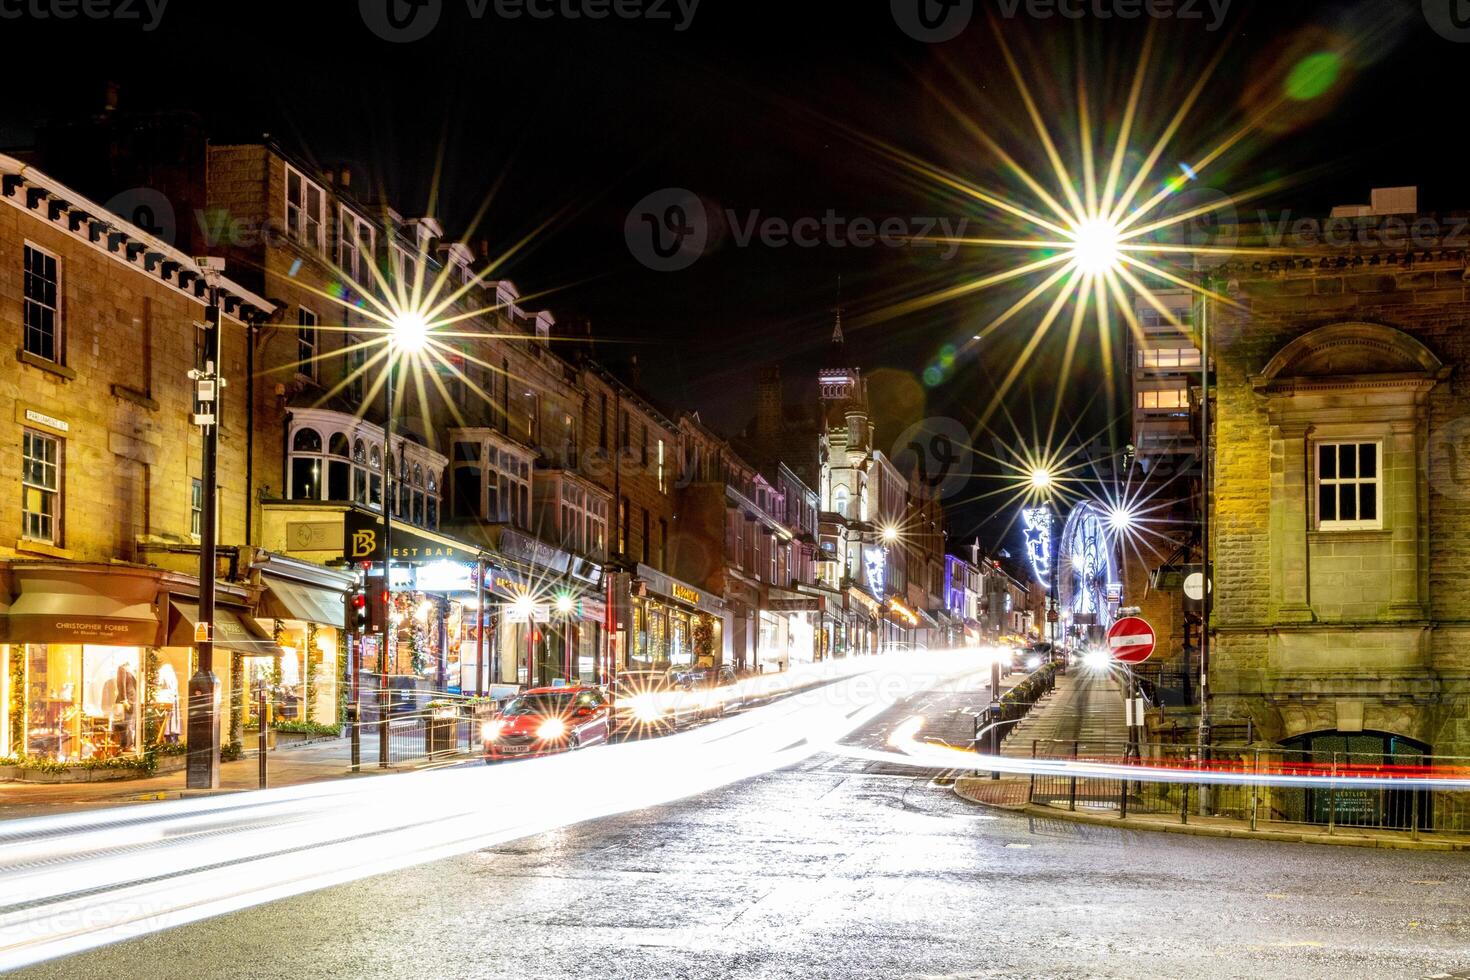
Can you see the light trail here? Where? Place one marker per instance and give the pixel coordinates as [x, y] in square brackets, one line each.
[930, 755]
[75, 882]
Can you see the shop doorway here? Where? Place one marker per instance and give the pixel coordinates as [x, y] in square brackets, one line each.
[1333, 751]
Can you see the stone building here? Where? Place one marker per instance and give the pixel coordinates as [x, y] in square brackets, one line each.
[1340, 512]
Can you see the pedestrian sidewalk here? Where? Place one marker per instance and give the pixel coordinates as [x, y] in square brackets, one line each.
[1011, 795]
[1085, 706]
[286, 766]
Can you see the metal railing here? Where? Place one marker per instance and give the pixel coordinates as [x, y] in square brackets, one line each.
[1332, 806]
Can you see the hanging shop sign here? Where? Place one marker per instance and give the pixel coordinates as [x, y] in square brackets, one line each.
[525, 548]
[362, 540]
[444, 576]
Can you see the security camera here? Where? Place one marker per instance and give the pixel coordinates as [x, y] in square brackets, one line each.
[209, 263]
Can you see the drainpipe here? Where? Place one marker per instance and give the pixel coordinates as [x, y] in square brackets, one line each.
[250, 329]
[1307, 514]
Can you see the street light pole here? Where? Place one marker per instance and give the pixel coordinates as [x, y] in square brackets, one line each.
[388, 497]
[1204, 526]
[204, 722]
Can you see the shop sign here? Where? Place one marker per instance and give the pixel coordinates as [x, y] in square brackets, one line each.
[444, 576]
[685, 594]
[362, 540]
[506, 583]
[526, 548]
[592, 607]
[522, 612]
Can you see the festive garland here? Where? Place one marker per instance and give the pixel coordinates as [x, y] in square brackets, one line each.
[236, 748]
[152, 716]
[704, 636]
[17, 697]
[344, 676]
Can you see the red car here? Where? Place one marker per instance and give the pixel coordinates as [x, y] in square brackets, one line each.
[546, 720]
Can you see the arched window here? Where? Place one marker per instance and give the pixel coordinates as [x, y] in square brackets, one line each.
[306, 441]
[375, 477]
[306, 465]
[418, 494]
[339, 470]
[359, 473]
[431, 502]
[840, 498]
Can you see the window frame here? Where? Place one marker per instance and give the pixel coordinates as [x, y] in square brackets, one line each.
[308, 366]
[302, 228]
[58, 335]
[56, 491]
[1336, 524]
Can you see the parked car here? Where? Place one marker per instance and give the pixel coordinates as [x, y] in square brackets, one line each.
[547, 720]
[718, 687]
[653, 702]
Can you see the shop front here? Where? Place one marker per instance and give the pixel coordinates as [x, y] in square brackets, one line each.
[95, 663]
[673, 624]
[304, 608]
[803, 618]
[865, 617]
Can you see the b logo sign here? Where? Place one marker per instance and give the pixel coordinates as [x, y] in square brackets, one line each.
[364, 543]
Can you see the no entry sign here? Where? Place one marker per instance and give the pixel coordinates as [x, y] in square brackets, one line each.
[1131, 640]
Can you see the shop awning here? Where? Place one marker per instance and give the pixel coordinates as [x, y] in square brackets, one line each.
[926, 620]
[62, 605]
[233, 629]
[285, 599]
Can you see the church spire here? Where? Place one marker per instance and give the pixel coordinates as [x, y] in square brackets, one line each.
[837, 339]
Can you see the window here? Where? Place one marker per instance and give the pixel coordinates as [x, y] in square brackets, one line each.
[1168, 358]
[305, 210]
[356, 368]
[42, 307]
[1172, 398]
[467, 489]
[508, 488]
[339, 468]
[602, 421]
[354, 247]
[663, 544]
[662, 486]
[306, 339]
[196, 507]
[359, 473]
[306, 465]
[647, 552]
[623, 526]
[41, 488]
[1348, 485]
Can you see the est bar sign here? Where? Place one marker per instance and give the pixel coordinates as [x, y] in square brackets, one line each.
[362, 540]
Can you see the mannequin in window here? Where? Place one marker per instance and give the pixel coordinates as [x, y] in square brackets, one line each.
[125, 707]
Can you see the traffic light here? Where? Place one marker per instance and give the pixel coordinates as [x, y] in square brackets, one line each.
[360, 611]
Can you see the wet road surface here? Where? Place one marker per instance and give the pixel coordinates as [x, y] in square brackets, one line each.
[843, 868]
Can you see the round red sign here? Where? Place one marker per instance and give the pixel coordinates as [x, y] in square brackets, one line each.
[1131, 640]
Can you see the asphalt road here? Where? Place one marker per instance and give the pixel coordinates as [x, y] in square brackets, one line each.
[842, 868]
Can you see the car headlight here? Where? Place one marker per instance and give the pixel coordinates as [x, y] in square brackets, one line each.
[551, 729]
[491, 730]
[645, 709]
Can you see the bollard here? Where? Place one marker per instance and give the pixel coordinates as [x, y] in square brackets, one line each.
[264, 725]
[354, 715]
[1072, 788]
[1031, 790]
[1332, 798]
[1184, 806]
[995, 734]
[1255, 787]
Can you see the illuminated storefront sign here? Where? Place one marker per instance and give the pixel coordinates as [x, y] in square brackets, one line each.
[875, 561]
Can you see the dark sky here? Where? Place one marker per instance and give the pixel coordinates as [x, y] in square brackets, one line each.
[773, 110]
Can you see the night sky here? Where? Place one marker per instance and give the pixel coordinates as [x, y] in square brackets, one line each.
[776, 109]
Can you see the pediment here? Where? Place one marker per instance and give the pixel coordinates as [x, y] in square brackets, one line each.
[1356, 352]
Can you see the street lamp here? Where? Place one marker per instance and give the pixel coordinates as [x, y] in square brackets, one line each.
[408, 333]
[1041, 479]
[1096, 246]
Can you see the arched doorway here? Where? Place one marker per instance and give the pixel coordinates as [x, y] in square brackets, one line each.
[1332, 751]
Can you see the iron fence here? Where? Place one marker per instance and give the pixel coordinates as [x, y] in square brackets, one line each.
[1333, 806]
[432, 734]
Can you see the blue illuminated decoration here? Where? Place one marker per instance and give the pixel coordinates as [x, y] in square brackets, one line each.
[1038, 542]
